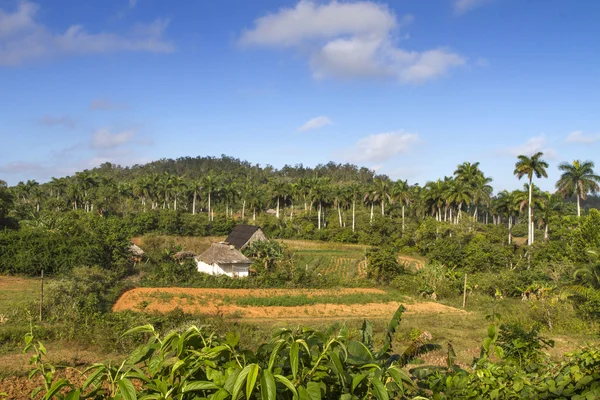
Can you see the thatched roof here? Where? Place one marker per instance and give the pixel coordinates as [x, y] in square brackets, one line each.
[241, 234]
[184, 255]
[223, 253]
[136, 251]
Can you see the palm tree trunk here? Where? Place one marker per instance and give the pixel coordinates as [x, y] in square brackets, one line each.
[277, 213]
[194, 204]
[319, 216]
[209, 209]
[353, 215]
[254, 214]
[243, 208]
[546, 232]
[530, 236]
[402, 219]
[509, 230]
[371, 220]
[382, 207]
[578, 206]
[340, 215]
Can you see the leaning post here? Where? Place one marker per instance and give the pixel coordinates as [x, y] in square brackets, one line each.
[42, 296]
[465, 292]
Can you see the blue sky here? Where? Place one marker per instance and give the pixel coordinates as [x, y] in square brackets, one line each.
[410, 88]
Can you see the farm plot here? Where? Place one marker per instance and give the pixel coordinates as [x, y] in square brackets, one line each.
[341, 264]
[273, 303]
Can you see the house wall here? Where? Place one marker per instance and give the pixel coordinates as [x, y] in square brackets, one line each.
[258, 235]
[231, 270]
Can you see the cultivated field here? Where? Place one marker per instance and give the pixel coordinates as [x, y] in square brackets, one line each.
[286, 304]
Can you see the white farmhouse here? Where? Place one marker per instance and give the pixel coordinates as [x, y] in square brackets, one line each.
[223, 259]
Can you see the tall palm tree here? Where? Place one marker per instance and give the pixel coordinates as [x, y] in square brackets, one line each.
[506, 204]
[530, 166]
[353, 191]
[320, 194]
[578, 179]
[279, 192]
[459, 193]
[210, 185]
[381, 192]
[402, 194]
[195, 187]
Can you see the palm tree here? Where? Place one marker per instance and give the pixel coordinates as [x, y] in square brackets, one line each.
[506, 204]
[369, 198]
[320, 195]
[522, 200]
[530, 166]
[279, 191]
[402, 194]
[210, 185]
[381, 192]
[578, 179]
[459, 193]
[195, 187]
[353, 191]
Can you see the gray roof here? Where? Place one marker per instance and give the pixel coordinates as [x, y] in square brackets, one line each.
[241, 234]
[223, 253]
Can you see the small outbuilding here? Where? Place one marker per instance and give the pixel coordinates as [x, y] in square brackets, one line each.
[243, 235]
[223, 259]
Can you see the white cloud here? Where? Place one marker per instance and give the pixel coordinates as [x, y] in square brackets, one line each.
[463, 6]
[380, 147]
[23, 39]
[532, 146]
[49, 120]
[350, 40]
[315, 123]
[104, 139]
[580, 137]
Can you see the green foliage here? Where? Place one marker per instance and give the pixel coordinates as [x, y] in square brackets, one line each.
[523, 347]
[382, 264]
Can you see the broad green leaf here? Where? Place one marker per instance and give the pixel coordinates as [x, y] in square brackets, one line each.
[251, 379]
[314, 390]
[220, 395]
[239, 382]
[356, 381]
[232, 338]
[268, 388]
[199, 385]
[126, 389]
[274, 353]
[28, 338]
[231, 379]
[294, 349]
[399, 376]
[73, 395]
[55, 388]
[379, 389]
[287, 383]
[140, 329]
[41, 348]
[93, 378]
[358, 353]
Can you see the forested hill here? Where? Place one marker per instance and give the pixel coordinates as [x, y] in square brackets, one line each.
[198, 167]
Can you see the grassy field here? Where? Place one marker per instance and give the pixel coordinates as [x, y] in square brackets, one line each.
[16, 294]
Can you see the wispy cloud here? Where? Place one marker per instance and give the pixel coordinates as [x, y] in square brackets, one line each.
[315, 123]
[64, 121]
[530, 147]
[23, 39]
[379, 147]
[20, 167]
[580, 137]
[350, 40]
[104, 139]
[463, 6]
[104, 105]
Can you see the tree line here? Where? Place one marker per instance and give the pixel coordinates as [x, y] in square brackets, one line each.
[227, 187]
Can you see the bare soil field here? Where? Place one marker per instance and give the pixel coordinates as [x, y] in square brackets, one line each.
[217, 302]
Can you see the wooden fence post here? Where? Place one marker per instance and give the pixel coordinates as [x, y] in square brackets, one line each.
[465, 292]
[42, 297]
